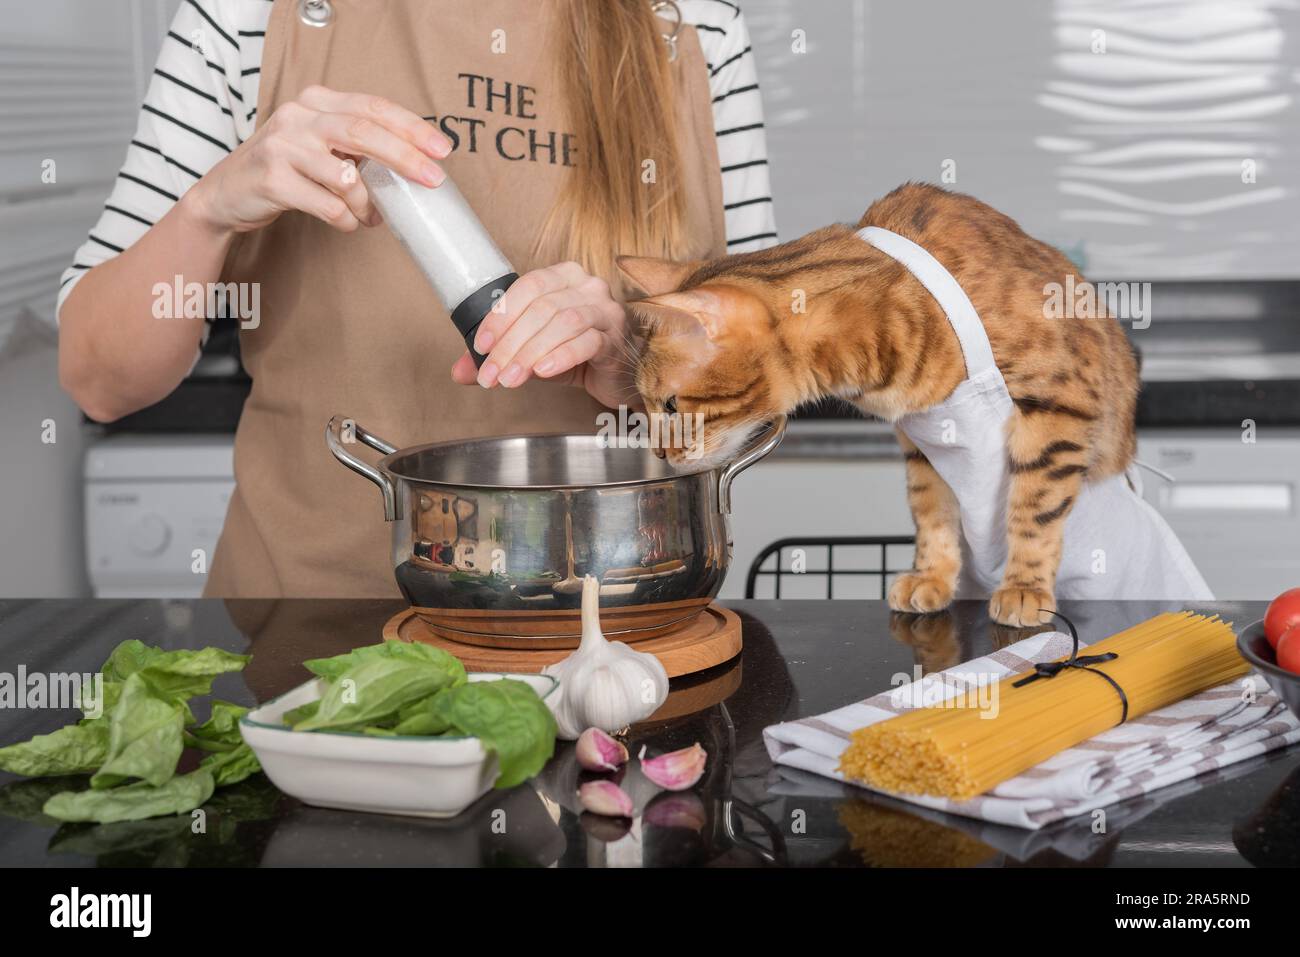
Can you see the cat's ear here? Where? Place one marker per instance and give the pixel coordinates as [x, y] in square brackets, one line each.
[650, 316]
[690, 312]
[655, 277]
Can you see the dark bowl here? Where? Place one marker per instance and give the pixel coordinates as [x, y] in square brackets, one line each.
[1254, 647]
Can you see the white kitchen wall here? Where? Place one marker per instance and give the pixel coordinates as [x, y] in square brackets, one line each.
[1154, 139]
[72, 73]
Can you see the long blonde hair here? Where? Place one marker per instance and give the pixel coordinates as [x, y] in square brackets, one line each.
[614, 73]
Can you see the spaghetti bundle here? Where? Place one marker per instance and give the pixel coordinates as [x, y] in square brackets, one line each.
[961, 752]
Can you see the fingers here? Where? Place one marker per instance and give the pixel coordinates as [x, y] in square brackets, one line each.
[302, 144]
[521, 294]
[295, 191]
[397, 119]
[501, 360]
[525, 291]
[552, 351]
[464, 372]
[567, 356]
[573, 334]
[362, 136]
[340, 177]
[558, 366]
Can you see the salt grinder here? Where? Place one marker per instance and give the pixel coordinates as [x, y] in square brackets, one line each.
[447, 241]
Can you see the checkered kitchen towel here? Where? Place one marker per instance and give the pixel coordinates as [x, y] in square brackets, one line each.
[1210, 730]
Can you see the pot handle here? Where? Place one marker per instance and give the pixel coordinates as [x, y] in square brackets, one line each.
[333, 438]
[767, 440]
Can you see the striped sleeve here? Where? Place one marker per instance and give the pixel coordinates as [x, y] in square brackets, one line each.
[199, 106]
[738, 122]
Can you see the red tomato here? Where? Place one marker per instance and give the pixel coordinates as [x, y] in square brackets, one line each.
[1288, 650]
[1283, 612]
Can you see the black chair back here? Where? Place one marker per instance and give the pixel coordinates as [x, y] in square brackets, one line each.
[777, 569]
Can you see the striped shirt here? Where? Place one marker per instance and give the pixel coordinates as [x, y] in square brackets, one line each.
[199, 108]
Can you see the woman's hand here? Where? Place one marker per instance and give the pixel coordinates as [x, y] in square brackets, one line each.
[557, 323]
[304, 158]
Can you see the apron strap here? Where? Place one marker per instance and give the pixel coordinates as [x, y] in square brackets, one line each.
[952, 299]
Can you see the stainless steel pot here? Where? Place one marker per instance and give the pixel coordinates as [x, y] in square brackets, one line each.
[492, 536]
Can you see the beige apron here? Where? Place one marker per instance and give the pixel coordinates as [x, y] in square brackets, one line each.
[349, 326]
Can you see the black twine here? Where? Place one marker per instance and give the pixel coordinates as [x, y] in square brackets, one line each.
[1050, 669]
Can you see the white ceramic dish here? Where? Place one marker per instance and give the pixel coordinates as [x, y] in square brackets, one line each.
[420, 776]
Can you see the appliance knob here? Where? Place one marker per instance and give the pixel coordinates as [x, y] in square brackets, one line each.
[150, 535]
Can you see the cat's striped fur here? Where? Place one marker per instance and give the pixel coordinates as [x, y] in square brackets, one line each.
[744, 338]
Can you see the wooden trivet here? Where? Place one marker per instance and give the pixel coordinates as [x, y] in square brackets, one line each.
[707, 640]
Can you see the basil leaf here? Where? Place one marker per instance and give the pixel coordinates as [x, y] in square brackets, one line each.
[221, 731]
[231, 767]
[423, 725]
[372, 691]
[128, 658]
[75, 749]
[139, 733]
[180, 674]
[300, 713]
[421, 717]
[145, 736]
[133, 802]
[426, 725]
[332, 668]
[509, 718]
[183, 674]
[107, 702]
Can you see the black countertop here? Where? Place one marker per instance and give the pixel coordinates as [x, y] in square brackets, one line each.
[800, 658]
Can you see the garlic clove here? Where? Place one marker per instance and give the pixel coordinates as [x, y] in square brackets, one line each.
[677, 770]
[605, 797]
[597, 751]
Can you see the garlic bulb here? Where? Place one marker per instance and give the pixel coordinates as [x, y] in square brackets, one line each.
[604, 684]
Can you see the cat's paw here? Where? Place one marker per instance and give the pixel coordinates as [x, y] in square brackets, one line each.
[920, 592]
[1021, 607]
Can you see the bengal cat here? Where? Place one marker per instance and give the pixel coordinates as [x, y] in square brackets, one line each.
[747, 337]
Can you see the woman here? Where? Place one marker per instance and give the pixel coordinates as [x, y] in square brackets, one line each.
[577, 129]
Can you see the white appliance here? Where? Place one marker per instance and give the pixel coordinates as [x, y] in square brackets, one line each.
[155, 505]
[1235, 503]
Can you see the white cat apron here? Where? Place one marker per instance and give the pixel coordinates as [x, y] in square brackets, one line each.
[1116, 545]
